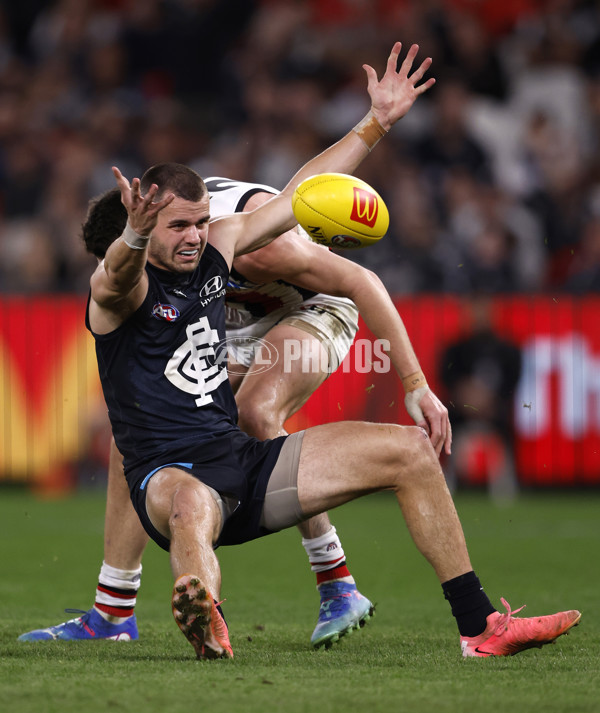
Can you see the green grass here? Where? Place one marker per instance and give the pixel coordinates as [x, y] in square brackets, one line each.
[544, 551]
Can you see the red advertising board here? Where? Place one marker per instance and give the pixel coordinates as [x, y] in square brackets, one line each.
[51, 401]
[556, 404]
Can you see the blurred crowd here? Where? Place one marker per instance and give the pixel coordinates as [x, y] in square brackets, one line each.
[492, 180]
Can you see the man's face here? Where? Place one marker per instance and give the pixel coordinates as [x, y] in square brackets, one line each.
[180, 235]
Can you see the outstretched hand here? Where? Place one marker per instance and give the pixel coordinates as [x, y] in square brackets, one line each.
[393, 96]
[428, 412]
[142, 211]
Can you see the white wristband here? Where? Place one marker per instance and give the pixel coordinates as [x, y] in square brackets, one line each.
[134, 240]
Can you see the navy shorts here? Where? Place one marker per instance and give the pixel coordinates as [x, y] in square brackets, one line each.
[236, 466]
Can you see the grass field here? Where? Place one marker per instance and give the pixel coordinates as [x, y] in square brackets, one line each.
[543, 551]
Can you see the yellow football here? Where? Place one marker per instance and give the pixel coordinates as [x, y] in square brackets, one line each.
[340, 211]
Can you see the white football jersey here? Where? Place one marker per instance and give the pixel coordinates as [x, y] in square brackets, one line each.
[252, 309]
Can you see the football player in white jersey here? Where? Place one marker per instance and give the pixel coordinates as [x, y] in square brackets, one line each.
[292, 291]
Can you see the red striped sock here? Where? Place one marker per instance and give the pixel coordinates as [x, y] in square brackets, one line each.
[327, 558]
[116, 593]
[338, 572]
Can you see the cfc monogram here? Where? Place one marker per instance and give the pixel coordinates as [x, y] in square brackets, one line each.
[195, 367]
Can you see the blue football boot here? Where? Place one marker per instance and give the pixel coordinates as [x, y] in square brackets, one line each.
[88, 626]
[343, 608]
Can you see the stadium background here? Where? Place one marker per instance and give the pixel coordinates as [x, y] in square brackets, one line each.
[492, 182]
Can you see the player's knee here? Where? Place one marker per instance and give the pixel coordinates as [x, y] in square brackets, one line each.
[422, 452]
[413, 454]
[260, 420]
[193, 507]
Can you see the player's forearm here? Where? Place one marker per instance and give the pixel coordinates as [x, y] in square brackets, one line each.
[382, 319]
[345, 155]
[125, 260]
[342, 157]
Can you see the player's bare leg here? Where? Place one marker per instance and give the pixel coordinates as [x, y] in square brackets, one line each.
[364, 457]
[124, 537]
[112, 616]
[266, 399]
[185, 511]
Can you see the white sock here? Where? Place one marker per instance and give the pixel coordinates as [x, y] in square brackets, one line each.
[116, 593]
[326, 554]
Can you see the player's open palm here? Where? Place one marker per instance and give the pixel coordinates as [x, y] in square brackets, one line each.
[396, 92]
[142, 211]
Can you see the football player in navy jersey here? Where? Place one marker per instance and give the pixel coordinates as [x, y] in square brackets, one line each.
[156, 310]
[269, 307]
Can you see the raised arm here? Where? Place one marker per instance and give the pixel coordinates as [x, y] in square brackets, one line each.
[391, 98]
[119, 284]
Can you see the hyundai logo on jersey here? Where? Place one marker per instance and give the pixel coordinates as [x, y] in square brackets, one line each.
[213, 285]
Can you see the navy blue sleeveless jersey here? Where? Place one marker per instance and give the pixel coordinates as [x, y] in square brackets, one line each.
[164, 370]
[164, 378]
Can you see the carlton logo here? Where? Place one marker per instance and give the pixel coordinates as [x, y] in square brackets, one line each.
[167, 312]
[365, 207]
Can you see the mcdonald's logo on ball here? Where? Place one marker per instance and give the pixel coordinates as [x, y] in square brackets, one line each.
[365, 207]
[338, 210]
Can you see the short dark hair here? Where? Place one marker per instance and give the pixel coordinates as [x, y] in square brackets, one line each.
[105, 221]
[174, 178]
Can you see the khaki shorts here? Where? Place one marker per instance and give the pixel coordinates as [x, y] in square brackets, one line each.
[332, 320]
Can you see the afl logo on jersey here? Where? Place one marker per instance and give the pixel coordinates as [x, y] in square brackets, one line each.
[215, 284]
[166, 312]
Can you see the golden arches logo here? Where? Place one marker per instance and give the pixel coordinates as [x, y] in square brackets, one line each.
[365, 207]
[49, 388]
